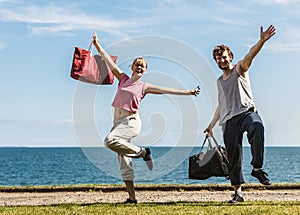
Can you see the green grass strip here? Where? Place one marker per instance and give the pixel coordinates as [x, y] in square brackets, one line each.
[257, 207]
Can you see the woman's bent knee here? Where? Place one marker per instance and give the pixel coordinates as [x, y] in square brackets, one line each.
[109, 142]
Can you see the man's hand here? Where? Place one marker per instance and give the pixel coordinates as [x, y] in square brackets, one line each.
[266, 35]
[208, 131]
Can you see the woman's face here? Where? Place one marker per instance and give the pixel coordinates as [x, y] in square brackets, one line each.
[139, 67]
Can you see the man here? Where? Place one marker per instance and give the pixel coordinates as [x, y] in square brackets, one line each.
[236, 113]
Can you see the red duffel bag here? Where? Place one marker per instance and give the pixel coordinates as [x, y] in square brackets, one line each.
[87, 69]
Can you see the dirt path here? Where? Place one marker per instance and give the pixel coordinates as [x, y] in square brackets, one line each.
[143, 195]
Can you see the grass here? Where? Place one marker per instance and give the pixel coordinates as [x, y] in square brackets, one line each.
[258, 207]
[253, 207]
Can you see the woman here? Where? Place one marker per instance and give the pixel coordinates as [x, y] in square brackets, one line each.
[127, 123]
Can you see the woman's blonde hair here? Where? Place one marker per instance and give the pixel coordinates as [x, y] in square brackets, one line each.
[139, 60]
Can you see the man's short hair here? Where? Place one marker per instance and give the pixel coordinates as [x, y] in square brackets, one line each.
[218, 50]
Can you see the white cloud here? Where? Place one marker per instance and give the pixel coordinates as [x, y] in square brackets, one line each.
[224, 13]
[56, 19]
[62, 121]
[2, 45]
[285, 1]
[230, 21]
[287, 38]
[8, 1]
[279, 46]
[271, 2]
[53, 19]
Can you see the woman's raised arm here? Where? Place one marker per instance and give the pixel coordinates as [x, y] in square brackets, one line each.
[114, 68]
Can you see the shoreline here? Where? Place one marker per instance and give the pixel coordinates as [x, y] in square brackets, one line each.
[145, 187]
[156, 194]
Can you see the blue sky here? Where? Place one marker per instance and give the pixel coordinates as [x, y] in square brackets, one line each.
[37, 39]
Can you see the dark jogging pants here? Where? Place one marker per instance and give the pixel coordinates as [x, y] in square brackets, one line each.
[250, 122]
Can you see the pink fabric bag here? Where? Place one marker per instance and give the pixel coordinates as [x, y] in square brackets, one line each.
[106, 75]
[87, 69]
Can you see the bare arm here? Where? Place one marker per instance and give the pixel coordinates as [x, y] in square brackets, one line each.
[153, 89]
[209, 129]
[244, 64]
[114, 68]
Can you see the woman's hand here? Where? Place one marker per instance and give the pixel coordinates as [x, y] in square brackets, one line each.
[111, 64]
[196, 91]
[95, 38]
[96, 42]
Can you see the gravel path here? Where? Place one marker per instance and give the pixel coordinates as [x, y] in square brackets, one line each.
[93, 197]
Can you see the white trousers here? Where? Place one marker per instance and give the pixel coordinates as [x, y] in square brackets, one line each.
[119, 139]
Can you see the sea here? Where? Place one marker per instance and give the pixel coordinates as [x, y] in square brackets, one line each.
[75, 165]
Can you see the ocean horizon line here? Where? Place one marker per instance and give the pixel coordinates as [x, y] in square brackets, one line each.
[157, 146]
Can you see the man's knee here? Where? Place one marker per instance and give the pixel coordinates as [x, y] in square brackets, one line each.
[256, 127]
[256, 134]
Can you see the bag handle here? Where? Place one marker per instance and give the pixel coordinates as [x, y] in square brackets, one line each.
[203, 143]
[90, 47]
[209, 142]
[215, 141]
[220, 149]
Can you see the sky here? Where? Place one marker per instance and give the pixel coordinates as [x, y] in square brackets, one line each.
[41, 105]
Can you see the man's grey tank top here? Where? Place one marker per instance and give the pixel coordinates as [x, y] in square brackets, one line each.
[234, 95]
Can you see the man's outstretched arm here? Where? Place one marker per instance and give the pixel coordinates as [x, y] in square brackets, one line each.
[244, 64]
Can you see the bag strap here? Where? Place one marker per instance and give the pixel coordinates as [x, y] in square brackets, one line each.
[90, 47]
[203, 144]
[210, 146]
[215, 141]
[209, 143]
[220, 149]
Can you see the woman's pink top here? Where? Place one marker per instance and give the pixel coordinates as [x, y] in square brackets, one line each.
[129, 94]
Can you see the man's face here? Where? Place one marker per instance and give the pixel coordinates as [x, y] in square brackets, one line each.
[224, 61]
